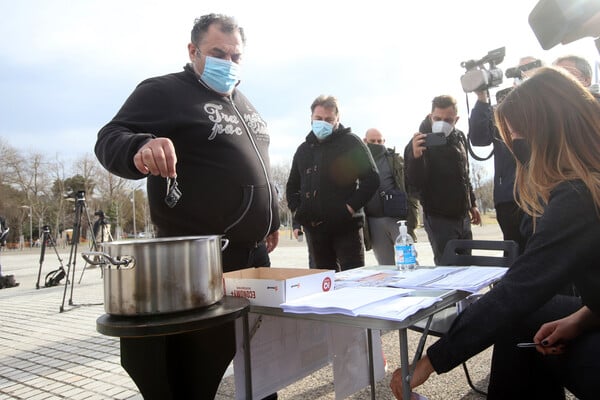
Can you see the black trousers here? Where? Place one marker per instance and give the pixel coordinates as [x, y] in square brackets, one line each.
[339, 251]
[510, 216]
[523, 373]
[189, 366]
[440, 230]
[183, 366]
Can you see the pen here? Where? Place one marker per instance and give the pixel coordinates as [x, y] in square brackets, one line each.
[528, 344]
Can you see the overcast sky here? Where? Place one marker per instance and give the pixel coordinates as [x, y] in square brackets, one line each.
[66, 67]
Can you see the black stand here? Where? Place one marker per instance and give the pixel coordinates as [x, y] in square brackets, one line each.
[181, 355]
[80, 209]
[48, 239]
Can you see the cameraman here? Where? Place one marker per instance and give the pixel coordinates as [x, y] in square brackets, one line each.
[483, 132]
[440, 174]
[581, 70]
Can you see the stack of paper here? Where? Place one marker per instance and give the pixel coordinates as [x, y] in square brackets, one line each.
[364, 277]
[347, 301]
[398, 309]
[470, 279]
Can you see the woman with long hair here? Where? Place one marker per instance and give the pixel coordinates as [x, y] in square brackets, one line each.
[551, 124]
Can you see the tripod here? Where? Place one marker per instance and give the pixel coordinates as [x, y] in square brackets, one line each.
[47, 239]
[102, 234]
[80, 209]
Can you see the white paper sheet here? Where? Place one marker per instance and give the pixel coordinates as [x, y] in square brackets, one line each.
[471, 278]
[364, 277]
[350, 360]
[398, 309]
[342, 301]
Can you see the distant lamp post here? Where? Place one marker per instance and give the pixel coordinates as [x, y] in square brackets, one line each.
[30, 224]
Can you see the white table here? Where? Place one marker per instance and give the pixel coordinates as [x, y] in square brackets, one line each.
[449, 297]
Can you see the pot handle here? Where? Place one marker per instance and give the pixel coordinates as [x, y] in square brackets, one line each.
[224, 243]
[98, 255]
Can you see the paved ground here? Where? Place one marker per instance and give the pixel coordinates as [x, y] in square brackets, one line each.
[47, 354]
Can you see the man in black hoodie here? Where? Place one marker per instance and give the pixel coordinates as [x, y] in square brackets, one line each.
[332, 177]
[440, 173]
[196, 126]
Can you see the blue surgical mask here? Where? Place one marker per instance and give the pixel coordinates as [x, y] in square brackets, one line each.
[220, 75]
[321, 129]
[442, 126]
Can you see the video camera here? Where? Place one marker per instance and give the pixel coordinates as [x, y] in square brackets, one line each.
[517, 72]
[79, 195]
[564, 21]
[478, 77]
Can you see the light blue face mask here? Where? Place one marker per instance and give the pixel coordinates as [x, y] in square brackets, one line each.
[220, 75]
[321, 129]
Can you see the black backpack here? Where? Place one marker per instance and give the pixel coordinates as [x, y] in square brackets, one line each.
[53, 278]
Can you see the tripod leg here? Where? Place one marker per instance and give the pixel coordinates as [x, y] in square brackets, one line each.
[42, 252]
[73, 277]
[53, 244]
[93, 244]
[62, 305]
[72, 255]
[85, 266]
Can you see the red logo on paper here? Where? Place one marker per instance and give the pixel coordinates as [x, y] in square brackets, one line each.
[326, 285]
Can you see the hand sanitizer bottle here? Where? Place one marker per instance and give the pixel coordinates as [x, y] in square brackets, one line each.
[404, 250]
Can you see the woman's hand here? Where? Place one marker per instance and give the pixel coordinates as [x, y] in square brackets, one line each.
[555, 334]
[419, 376]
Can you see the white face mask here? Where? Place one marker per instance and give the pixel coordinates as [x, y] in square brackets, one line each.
[442, 126]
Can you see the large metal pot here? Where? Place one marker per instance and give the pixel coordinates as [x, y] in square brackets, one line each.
[156, 276]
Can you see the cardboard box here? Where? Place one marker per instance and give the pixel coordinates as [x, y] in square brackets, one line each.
[272, 286]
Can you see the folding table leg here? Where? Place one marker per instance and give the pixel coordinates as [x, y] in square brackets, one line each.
[406, 373]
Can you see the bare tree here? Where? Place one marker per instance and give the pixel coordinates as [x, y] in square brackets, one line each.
[280, 174]
[482, 186]
[11, 197]
[30, 176]
[88, 167]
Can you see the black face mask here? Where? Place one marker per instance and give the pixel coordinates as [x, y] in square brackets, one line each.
[376, 149]
[522, 151]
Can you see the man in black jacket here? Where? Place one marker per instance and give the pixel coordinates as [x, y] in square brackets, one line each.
[514, 223]
[332, 177]
[389, 204]
[196, 126]
[439, 171]
[483, 132]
